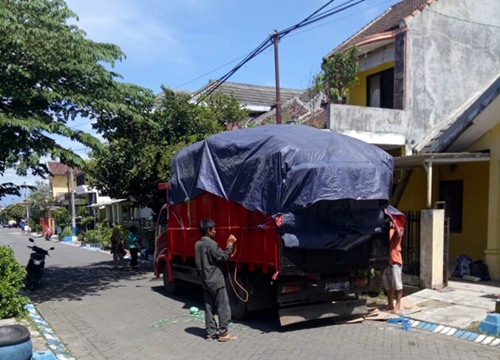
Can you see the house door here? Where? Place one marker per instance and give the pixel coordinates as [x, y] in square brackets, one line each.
[380, 89]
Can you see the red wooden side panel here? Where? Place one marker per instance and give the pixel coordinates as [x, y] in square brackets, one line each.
[257, 247]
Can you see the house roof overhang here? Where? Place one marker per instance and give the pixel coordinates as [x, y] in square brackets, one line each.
[377, 41]
[426, 159]
[107, 203]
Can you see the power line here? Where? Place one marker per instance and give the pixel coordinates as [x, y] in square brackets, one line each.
[298, 33]
[209, 72]
[343, 17]
[314, 17]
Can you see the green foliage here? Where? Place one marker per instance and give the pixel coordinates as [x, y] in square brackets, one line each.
[40, 200]
[62, 218]
[65, 232]
[14, 212]
[104, 234]
[83, 211]
[134, 162]
[12, 276]
[50, 74]
[91, 236]
[31, 223]
[338, 74]
[86, 221]
[38, 228]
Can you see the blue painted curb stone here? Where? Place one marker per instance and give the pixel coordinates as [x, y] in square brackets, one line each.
[491, 324]
[44, 355]
[450, 331]
[56, 348]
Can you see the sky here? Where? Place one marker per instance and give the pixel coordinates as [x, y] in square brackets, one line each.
[185, 43]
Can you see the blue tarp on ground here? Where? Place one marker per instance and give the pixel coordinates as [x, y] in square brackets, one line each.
[281, 168]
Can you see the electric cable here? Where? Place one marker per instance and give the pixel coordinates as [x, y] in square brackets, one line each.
[314, 17]
[340, 18]
[234, 282]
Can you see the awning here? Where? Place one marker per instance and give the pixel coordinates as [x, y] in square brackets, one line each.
[106, 203]
[426, 160]
[422, 160]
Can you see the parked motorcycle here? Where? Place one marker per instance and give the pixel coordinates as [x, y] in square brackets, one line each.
[35, 267]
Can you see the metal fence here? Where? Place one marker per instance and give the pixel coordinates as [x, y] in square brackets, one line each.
[411, 244]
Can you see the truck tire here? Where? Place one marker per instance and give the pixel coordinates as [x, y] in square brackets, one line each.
[169, 286]
[238, 307]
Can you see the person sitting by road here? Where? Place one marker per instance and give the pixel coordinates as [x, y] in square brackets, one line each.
[209, 258]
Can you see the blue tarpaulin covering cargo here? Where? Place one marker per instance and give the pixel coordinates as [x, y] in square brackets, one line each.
[284, 169]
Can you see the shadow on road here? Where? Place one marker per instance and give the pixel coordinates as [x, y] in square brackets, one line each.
[73, 283]
[266, 321]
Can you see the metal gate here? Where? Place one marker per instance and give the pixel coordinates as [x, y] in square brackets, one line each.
[411, 244]
[446, 251]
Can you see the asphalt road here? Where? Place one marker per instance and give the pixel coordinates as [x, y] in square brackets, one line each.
[101, 313]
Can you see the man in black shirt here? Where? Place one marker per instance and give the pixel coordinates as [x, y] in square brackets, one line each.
[209, 259]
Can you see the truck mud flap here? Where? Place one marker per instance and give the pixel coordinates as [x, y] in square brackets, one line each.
[322, 311]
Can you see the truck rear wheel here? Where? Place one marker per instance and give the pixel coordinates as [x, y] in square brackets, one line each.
[169, 286]
[238, 307]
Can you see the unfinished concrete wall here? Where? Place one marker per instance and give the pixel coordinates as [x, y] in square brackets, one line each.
[453, 50]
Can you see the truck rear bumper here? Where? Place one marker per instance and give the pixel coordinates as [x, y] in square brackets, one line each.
[321, 311]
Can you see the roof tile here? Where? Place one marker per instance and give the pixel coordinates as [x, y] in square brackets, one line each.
[386, 22]
[57, 168]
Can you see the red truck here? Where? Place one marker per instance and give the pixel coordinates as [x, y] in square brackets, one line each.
[306, 205]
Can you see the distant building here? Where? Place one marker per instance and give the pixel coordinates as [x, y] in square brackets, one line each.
[298, 106]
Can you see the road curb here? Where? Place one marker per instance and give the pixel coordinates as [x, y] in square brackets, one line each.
[57, 350]
[449, 331]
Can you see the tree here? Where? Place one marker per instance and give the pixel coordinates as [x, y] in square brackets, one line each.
[62, 218]
[40, 201]
[338, 74]
[134, 162]
[14, 212]
[50, 74]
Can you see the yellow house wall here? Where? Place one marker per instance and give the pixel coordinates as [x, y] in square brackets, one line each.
[357, 95]
[472, 240]
[415, 194]
[491, 141]
[60, 184]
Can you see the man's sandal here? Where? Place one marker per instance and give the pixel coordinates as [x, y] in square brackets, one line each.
[211, 337]
[226, 337]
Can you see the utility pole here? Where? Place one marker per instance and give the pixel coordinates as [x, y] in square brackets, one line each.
[26, 206]
[72, 190]
[277, 73]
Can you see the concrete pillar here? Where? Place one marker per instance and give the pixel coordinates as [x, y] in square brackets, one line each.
[109, 214]
[431, 248]
[119, 214]
[113, 214]
[492, 253]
